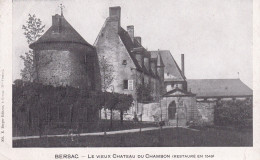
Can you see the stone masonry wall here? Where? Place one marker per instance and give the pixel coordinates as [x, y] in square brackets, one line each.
[63, 68]
[112, 48]
[185, 107]
[109, 45]
[206, 112]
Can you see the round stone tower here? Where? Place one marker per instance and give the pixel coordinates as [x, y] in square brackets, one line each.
[63, 57]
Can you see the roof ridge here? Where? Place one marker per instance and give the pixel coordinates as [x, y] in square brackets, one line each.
[219, 88]
[183, 76]
[214, 79]
[99, 33]
[159, 50]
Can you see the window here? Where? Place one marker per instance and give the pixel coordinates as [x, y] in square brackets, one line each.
[124, 62]
[128, 84]
[131, 84]
[125, 84]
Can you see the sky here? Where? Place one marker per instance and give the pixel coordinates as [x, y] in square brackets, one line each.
[215, 36]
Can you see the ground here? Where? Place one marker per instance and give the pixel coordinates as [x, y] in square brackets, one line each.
[97, 126]
[168, 137]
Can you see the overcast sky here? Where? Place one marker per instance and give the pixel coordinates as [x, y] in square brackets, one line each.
[215, 35]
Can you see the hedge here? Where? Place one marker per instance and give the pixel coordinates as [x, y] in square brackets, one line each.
[36, 105]
[234, 112]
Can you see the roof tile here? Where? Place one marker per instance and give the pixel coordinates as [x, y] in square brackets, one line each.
[66, 34]
[219, 88]
[171, 67]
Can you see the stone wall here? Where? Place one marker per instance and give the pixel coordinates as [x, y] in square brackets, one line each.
[151, 112]
[186, 110]
[63, 67]
[206, 112]
[112, 48]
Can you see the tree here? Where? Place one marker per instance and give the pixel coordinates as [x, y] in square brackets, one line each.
[144, 93]
[120, 102]
[124, 103]
[110, 102]
[237, 113]
[107, 76]
[33, 29]
[107, 72]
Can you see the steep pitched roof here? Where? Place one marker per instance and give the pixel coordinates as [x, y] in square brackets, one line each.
[206, 88]
[160, 61]
[130, 46]
[171, 67]
[66, 34]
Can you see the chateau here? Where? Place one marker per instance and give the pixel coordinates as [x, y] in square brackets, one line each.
[133, 65]
[63, 57]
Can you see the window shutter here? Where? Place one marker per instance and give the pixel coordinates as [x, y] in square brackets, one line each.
[131, 84]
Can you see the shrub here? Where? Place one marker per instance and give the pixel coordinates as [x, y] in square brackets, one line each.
[238, 113]
[36, 105]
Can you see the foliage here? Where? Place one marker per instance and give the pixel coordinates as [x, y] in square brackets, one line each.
[32, 31]
[35, 104]
[116, 101]
[44, 103]
[238, 113]
[144, 93]
[124, 103]
[107, 72]
[27, 72]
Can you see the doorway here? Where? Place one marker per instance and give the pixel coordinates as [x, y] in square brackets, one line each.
[172, 110]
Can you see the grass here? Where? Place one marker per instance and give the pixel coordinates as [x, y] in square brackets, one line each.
[171, 137]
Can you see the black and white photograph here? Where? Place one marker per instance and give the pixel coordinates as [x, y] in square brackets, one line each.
[132, 73]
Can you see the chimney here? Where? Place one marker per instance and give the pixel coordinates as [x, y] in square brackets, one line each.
[56, 23]
[182, 64]
[115, 13]
[139, 40]
[130, 30]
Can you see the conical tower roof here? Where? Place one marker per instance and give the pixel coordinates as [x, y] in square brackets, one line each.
[60, 32]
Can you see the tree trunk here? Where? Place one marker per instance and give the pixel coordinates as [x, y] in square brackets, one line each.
[71, 115]
[111, 118]
[121, 116]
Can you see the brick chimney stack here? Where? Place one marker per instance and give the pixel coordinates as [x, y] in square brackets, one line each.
[115, 13]
[131, 30]
[56, 23]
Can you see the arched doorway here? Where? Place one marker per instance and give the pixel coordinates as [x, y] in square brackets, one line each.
[172, 110]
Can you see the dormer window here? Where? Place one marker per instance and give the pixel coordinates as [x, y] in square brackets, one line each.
[124, 62]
